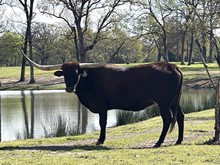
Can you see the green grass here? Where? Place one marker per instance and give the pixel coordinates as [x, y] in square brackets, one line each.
[197, 66]
[14, 72]
[129, 144]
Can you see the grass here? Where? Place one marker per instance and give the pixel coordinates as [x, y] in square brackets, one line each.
[197, 66]
[8, 72]
[129, 144]
[59, 126]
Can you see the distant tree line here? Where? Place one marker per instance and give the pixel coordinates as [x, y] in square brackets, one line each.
[92, 31]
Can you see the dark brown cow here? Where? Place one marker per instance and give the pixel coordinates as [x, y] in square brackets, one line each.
[105, 87]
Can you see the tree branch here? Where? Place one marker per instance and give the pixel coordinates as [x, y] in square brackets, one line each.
[204, 63]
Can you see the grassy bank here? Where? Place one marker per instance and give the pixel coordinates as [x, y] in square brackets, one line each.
[194, 76]
[9, 77]
[129, 144]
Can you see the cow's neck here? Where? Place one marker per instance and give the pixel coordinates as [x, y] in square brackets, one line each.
[82, 94]
[84, 74]
[75, 86]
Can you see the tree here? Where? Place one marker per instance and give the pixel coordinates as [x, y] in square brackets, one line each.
[27, 7]
[156, 12]
[201, 18]
[208, 21]
[186, 10]
[50, 43]
[81, 17]
[129, 49]
[206, 26]
[216, 138]
[9, 44]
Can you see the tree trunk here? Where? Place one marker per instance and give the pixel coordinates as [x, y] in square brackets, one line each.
[29, 22]
[204, 50]
[22, 76]
[82, 49]
[183, 47]
[217, 116]
[76, 43]
[191, 48]
[187, 49]
[177, 50]
[159, 56]
[32, 80]
[211, 45]
[211, 53]
[165, 55]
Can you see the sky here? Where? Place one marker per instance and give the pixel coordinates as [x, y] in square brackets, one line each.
[17, 16]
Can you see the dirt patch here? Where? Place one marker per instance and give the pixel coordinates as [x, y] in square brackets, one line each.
[12, 83]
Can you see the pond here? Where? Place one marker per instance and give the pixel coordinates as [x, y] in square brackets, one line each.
[47, 113]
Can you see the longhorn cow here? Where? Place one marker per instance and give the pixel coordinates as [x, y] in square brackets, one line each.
[102, 87]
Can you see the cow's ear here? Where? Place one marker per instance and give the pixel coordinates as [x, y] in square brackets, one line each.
[58, 73]
[82, 72]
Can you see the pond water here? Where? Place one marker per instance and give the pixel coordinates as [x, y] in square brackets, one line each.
[36, 114]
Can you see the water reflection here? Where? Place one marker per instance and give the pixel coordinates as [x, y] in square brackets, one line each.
[35, 114]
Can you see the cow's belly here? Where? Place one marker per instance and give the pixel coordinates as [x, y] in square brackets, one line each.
[131, 105]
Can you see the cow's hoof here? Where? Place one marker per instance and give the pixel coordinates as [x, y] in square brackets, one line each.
[156, 145]
[99, 143]
[178, 142]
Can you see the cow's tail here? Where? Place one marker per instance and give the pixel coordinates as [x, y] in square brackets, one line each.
[175, 107]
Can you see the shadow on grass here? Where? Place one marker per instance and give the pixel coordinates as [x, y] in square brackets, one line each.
[58, 148]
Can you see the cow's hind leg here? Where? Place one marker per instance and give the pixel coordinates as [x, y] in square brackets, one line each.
[167, 119]
[102, 123]
[180, 121]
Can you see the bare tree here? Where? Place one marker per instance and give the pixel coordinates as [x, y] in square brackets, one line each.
[84, 16]
[201, 18]
[157, 12]
[209, 17]
[28, 10]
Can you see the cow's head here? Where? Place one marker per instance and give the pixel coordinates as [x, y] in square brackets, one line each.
[71, 73]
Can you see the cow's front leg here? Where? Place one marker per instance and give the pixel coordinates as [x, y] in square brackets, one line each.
[102, 123]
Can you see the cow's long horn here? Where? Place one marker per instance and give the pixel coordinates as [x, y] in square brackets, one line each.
[42, 67]
[91, 65]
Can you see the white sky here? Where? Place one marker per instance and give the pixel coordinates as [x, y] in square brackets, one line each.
[17, 16]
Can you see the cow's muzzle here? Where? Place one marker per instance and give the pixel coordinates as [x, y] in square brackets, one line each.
[69, 89]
